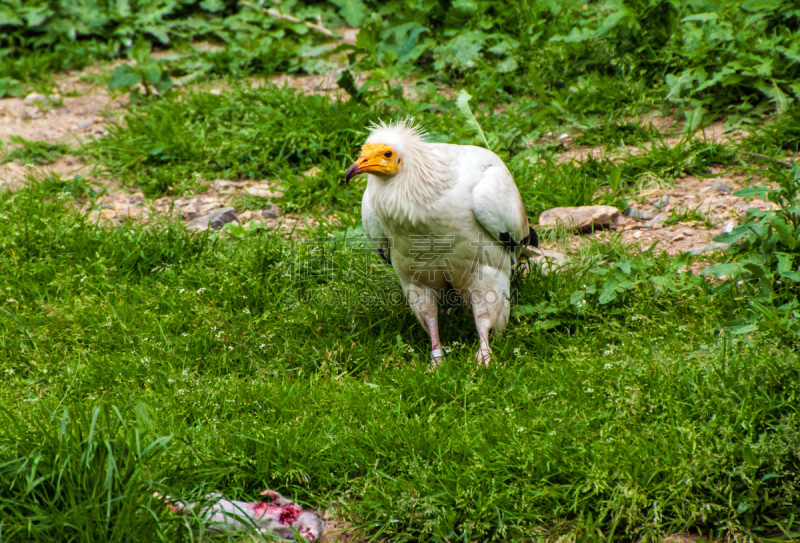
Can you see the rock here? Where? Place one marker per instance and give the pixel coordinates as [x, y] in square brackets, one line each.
[216, 92]
[85, 125]
[313, 172]
[120, 206]
[246, 216]
[271, 212]
[189, 213]
[130, 212]
[102, 215]
[215, 219]
[661, 202]
[713, 246]
[637, 234]
[720, 187]
[579, 218]
[656, 221]
[207, 208]
[641, 215]
[679, 237]
[262, 192]
[137, 198]
[222, 184]
[35, 98]
[688, 233]
[549, 260]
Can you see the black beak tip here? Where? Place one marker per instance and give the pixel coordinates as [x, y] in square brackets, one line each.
[352, 171]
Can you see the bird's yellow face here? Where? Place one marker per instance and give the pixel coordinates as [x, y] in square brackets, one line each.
[376, 158]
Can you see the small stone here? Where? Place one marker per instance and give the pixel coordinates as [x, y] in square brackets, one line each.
[119, 206]
[679, 237]
[102, 215]
[35, 98]
[688, 233]
[189, 213]
[271, 212]
[637, 234]
[223, 184]
[641, 215]
[656, 221]
[313, 172]
[579, 218]
[713, 246]
[690, 197]
[704, 190]
[246, 216]
[661, 202]
[136, 198]
[215, 92]
[720, 187]
[216, 219]
[130, 212]
[549, 260]
[261, 192]
[85, 125]
[207, 208]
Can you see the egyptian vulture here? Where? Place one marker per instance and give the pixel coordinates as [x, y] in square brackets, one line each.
[444, 216]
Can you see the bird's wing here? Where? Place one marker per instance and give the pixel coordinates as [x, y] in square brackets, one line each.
[372, 227]
[498, 207]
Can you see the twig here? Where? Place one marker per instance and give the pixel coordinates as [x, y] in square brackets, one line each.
[277, 14]
[765, 157]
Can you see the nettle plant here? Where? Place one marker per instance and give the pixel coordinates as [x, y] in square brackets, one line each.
[766, 259]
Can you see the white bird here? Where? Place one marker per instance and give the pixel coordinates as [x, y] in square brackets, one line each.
[443, 216]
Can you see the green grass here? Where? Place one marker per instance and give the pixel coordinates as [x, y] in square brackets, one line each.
[33, 152]
[687, 215]
[628, 400]
[613, 406]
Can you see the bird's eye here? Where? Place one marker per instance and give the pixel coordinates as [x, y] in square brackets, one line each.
[388, 154]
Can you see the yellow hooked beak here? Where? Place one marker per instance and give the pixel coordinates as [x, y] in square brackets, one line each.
[375, 158]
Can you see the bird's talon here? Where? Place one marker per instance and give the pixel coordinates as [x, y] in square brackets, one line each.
[436, 359]
[484, 356]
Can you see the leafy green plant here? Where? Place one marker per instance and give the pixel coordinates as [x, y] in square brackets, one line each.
[144, 71]
[766, 255]
[10, 87]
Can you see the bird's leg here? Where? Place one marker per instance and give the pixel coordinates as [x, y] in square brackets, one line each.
[484, 354]
[436, 348]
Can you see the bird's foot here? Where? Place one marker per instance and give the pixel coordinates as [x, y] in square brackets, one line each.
[437, 355]
[484, 356]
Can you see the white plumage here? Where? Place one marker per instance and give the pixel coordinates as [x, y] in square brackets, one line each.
[444, 216]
